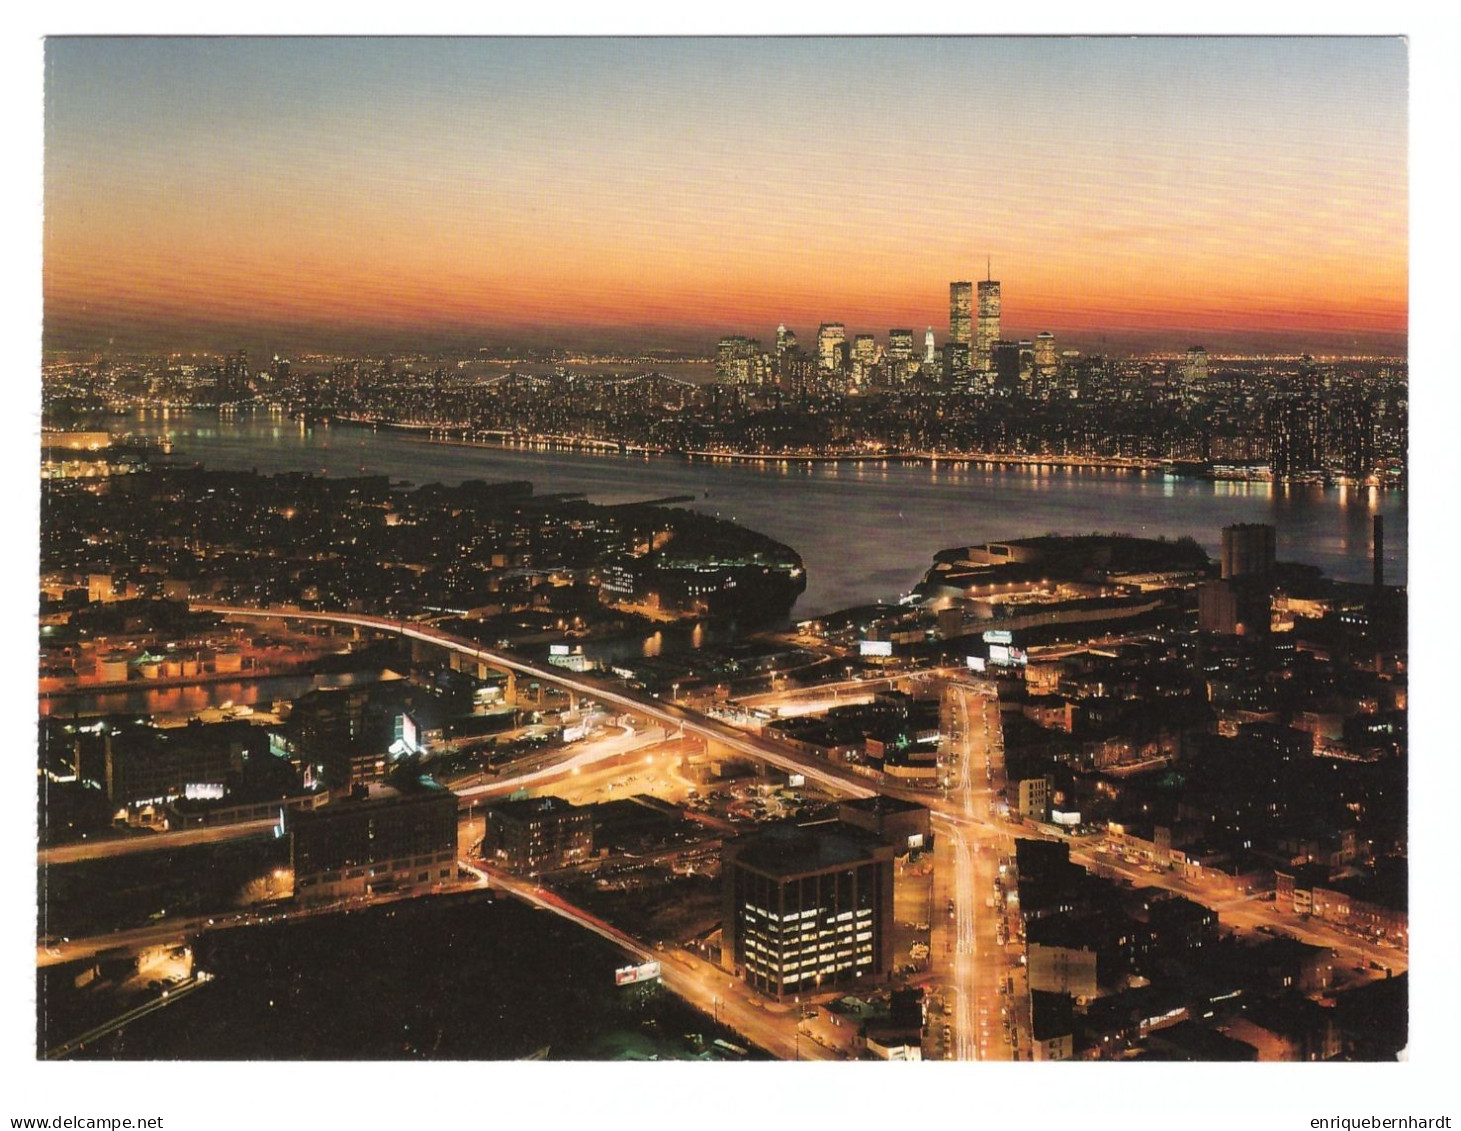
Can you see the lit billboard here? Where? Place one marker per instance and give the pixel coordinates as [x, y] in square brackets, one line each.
[627, 975]
[875, 647]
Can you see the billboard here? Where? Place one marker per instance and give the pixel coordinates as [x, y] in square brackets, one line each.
[875, 647]
[627, 975]
[998, 636]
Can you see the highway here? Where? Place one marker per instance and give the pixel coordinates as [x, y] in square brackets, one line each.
[155, 842]
[579, 756]
[668, 715]
[772, 1026]
[977, 836]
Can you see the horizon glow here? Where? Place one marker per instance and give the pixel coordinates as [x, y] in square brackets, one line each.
[1151, 189]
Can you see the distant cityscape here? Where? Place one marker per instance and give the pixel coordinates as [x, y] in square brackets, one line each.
[531, 568]
[978, 396]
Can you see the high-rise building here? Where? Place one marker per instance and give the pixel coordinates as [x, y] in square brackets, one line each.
[1195, 370]
[988, 324]
[1350, 440]
[961, 310]
[235, 381]
[1027, 357]
[930, 356]
[956, 361]
[1295, 431]
[1248, 550]
[831, 347]
[1045, 358]
[900, 345]
[807, 909]
[1005, 361]
[738, 361]
[785, 340]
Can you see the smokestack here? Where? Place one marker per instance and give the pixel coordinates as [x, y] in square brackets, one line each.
[1379, 551]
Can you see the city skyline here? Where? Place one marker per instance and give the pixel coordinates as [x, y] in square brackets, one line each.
[443, 192]
[794, 547]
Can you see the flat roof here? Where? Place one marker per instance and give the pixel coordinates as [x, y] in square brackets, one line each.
[790, 850]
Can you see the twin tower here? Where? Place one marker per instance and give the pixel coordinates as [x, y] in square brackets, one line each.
[962, 331]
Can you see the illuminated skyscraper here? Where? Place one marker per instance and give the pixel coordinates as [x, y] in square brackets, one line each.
[1195, 370]
[785, 340]
[988, 324]
[1045, 360]
[961, 307]
[831, 346]
[900, 345]
[930, 356]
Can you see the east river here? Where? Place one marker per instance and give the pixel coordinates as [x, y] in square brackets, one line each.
[866, 530]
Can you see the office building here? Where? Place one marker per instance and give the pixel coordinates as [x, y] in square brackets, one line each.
[807, 909]
[988, 334]
[379, 838]
[961, 313]
[832, 347]
[930, 356]
[956, 361]
[1045, 358]
[1005, 360]
[1195, 369]
[900, 345]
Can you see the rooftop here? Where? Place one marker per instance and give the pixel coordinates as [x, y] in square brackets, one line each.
[789, 850]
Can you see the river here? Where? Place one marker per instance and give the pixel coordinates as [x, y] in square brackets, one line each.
[866, 530]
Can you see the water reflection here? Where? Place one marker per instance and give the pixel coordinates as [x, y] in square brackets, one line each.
[844, 518]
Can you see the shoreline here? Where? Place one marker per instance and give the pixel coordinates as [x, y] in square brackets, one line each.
[508, 442]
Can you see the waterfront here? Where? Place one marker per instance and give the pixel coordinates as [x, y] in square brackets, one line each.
[866, 530]
[183, 700]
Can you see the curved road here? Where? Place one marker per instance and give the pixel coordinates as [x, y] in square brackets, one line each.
[667, 714]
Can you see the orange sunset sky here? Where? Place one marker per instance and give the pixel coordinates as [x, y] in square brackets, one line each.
[1155, 192]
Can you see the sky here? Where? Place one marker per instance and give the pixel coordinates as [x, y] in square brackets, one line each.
[1143, 192]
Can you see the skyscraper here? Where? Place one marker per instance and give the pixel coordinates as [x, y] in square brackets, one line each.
[930, 356]
[1045, 360]
[1195, 371]
[1005, 361]
[831, 346]
[785, 340]
[961, 306]
[988, 324]
[900, 345]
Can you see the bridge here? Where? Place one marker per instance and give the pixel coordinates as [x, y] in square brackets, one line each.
[670, 715]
